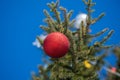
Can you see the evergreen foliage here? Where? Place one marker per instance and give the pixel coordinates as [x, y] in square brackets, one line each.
[80, 63]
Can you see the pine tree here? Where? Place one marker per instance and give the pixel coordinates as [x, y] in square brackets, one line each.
[80, 62]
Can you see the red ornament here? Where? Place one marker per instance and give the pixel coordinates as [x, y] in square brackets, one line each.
[56, 45]
[113, 69]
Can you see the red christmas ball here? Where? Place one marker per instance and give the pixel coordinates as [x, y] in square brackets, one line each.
[56, 45]
[113, 69]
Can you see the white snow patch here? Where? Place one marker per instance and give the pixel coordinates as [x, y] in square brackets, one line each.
[36, 42]
[79, 18]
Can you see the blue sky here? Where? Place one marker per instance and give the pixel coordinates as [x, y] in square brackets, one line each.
[19, 25]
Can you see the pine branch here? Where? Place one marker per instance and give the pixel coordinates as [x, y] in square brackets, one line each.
[47, 29]
[40, 41]
[97, 19]
[107, 37]
[42, 72]
[100, 33]
[65, 19]
[53, 8]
